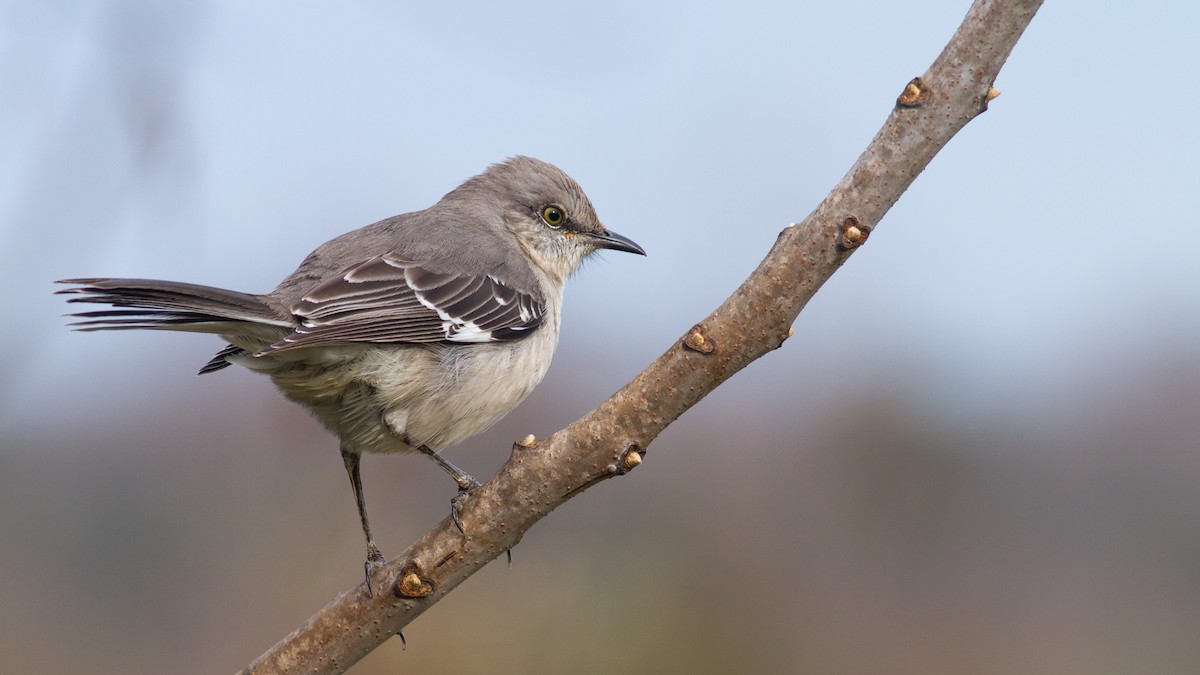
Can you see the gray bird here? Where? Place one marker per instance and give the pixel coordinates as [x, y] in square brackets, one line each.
[410, 334]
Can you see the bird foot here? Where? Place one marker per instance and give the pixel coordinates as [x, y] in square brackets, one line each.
[373, 566]
[465, 488]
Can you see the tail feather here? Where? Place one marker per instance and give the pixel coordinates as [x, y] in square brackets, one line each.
[170, 305]
[128, 319]
[167, 304]
[221, 360]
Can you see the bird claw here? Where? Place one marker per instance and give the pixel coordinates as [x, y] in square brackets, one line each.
[464, 490]
[371, 568]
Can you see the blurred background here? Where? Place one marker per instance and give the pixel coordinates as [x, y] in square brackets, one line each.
[980, 452]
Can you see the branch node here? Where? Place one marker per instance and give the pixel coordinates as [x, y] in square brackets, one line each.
[991, 95]
[632, 459]
[629, 458]
[411, 585]
[790, 333]
[697, 341]
[914, 94]
[854, 234]
[526, 443]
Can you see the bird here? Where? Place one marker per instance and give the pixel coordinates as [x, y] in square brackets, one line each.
[407, 335]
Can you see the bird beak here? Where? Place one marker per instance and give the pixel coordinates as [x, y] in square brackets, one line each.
[612, 240]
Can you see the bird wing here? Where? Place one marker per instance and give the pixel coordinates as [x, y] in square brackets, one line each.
[393, 299]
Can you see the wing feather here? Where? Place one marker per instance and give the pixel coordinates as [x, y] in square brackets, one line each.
[392, 299]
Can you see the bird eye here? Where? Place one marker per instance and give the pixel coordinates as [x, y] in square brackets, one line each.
[554, 216]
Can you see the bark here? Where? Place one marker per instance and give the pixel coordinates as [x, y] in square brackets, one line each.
[612, 439]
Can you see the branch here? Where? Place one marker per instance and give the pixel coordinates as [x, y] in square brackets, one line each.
[612, 439]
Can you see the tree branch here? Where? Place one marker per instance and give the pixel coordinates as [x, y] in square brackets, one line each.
[612, 439]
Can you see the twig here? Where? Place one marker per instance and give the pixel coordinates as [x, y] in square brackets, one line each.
[612, 439]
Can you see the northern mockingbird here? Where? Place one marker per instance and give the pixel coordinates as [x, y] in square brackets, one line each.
[407, 335]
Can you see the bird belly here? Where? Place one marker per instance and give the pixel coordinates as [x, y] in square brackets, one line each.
[468, 390]
[386, 398]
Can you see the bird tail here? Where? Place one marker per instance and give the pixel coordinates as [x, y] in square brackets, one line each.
[172, 305]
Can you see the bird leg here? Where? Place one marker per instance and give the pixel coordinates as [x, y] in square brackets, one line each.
[375, 559]
[465, 483]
